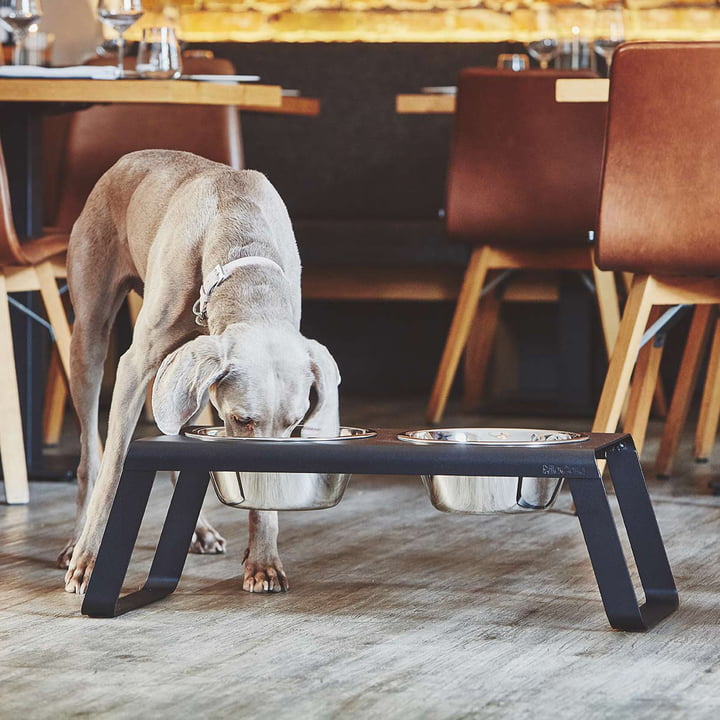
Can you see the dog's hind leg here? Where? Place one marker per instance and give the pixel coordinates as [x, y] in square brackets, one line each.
[88, 349]
[206, 540]
[98, 287]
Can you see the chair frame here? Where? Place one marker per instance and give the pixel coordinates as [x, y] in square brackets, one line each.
[19, 273]
[530, 239]
[471, 309]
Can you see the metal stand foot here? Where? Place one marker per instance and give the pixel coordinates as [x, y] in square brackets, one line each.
[606, 554]
[103, 595]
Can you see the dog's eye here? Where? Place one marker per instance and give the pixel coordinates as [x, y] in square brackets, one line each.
[242, 421]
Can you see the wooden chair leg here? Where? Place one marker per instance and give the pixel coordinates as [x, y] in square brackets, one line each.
[135, 302]
[710, 406]
[56, 395]
[659, 402]
[56, 392]
[459, 330]
[12, 446]
[622, 361]
[479, 349]
[608, 305]
[645, 380]
[684, 387]
[55, 312]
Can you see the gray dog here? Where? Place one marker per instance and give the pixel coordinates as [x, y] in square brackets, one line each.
[166, 223]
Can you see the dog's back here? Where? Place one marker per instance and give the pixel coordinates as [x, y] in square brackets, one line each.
[180, 202]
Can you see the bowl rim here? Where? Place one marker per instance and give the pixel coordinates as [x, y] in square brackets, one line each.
[212, 433]
[575, 437]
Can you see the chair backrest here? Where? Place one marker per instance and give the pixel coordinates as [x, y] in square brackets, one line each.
[100, 135]
[660, 198]
[524, 169]
[10, 251]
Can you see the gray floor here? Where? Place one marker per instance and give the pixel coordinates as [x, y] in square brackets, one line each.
[396, 610]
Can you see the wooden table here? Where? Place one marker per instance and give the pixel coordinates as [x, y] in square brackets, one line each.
[424, 104]
[23, 102]
[566, 90]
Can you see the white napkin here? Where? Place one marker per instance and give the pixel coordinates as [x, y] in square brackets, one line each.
[93, 72]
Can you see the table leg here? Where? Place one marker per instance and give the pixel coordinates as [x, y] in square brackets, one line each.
[22, 138]
[605, 550]
[103, 595]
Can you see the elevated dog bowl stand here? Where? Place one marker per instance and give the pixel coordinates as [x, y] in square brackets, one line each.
[384, 454]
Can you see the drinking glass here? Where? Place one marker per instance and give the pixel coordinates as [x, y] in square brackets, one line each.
[544, 44]
[159, 54]
[18, 16]
[120, 15]
[609, 31]
[512, 61]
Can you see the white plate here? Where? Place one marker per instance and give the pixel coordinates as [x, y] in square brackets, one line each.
[440, 90]
[222, 78]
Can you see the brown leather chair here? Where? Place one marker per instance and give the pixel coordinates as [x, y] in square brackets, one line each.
[523, 184]
[660, 218]
[33, 265]
[99, 136]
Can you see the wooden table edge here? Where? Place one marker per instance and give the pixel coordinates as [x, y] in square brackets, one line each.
[424, 104]
[189, 92]
[290, 105]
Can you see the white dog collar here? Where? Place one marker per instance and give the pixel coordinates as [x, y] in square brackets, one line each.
[217, 276]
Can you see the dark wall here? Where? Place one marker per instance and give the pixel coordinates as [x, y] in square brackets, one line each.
[358, 159]
[362, 182]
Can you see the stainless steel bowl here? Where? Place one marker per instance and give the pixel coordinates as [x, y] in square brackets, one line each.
[279, 491]
[477, 494]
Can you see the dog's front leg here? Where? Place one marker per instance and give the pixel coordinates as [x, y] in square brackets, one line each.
[135, 369]
[263, 569]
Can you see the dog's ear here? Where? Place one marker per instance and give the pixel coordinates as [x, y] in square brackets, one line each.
[324, 419]
[183, 380]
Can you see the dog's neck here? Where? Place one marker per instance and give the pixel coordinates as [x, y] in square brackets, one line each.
[252, 292]
[219, 274]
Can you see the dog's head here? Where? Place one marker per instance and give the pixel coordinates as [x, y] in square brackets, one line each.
[261, 381]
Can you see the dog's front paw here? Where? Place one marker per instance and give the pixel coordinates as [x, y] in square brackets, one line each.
[206, 540]
[79, 570]
[63, 559]
[265, 576]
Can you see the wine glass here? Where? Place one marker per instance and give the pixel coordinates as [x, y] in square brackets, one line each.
[19, 16]
[120, 15]
[544, 44]
[609, 31]
[543, 50]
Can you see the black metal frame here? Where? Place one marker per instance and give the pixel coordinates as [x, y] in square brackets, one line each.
[576, 462]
